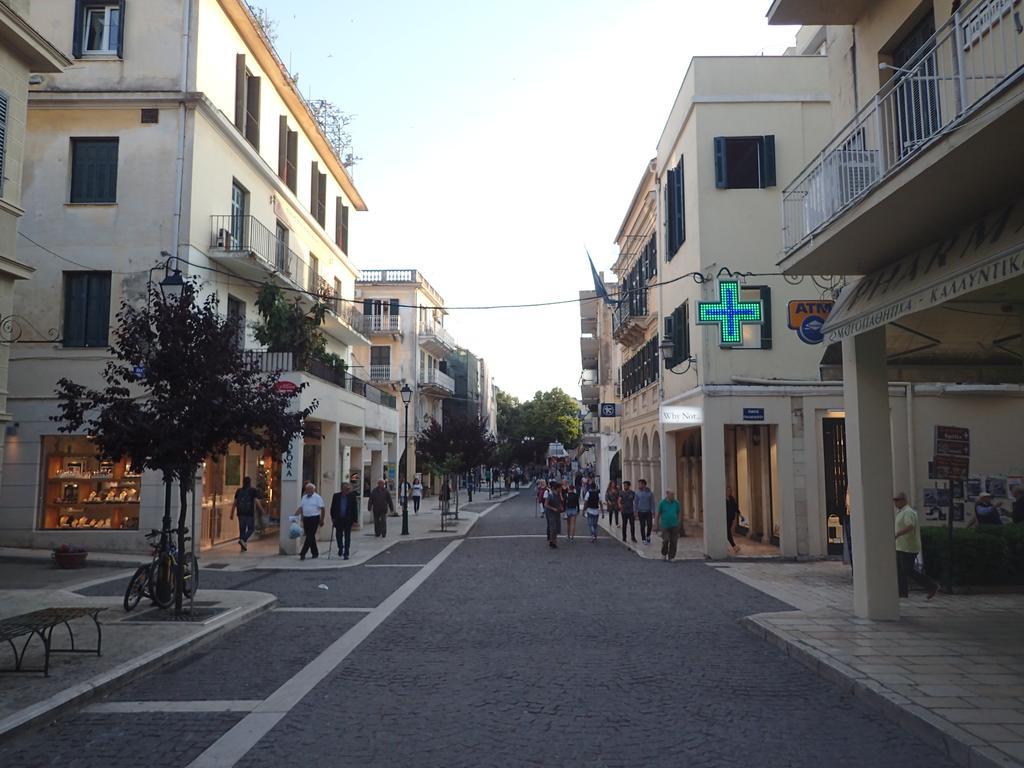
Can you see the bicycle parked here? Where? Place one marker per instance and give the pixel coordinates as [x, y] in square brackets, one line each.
[155, 580]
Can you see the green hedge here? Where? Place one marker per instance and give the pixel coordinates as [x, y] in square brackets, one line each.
[986, 556]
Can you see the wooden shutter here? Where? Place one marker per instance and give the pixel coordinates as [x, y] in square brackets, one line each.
[680, 211]
[768, 161]
[367, 307]
[79, 29]
[314, 186]
[282, 148]
[721, 164]
[338, 205]
[120, 30]
[97, 319]
[293, 161]
[321, 199]
[94, 171]
[670, 209]
[3, 140]
[252, 110]
[344, 229]
[240, 92]
[76, 289]
[393, 307]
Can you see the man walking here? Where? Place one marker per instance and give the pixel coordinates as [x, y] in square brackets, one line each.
[379, 506]
[627, 508]
[553, 508]
[908, 545]
[669, 518]
[344, 511]
[311, 507]
[592, 503]
[247, 501]
[645, 510]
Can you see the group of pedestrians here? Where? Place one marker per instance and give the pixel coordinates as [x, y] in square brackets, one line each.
[557, 499]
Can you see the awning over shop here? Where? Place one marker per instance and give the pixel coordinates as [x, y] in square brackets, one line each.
[985, 253]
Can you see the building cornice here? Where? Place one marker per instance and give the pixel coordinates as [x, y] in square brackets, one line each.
[242, 19]
[35, 50]
[15, 269]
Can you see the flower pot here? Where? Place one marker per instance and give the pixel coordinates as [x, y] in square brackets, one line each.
[70, 559]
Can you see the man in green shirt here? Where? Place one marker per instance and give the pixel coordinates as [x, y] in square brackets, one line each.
[668, 522]
[908, 546]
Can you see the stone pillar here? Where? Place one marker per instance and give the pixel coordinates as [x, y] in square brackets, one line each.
[668, 474]
[713, 484]
[869, 468]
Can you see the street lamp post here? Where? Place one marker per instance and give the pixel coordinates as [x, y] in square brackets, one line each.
[406, 393]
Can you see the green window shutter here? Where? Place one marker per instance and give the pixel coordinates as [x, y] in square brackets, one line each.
[79, 29]
[120, 30]
[240, 91]
[721, 164]
[97, 319]
[282, 148]
[680, 211]
[768, 161]
[670, 208]
[94, 170]
[76, 291]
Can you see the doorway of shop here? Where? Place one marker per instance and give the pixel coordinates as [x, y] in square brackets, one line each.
[833, 431]
[752, 474]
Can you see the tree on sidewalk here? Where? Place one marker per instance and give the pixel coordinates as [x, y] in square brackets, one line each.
[454, 447]
[178, 389]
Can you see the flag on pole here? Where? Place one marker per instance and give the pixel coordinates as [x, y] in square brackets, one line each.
[599, 289]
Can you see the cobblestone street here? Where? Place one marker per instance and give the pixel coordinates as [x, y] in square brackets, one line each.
[508, 654]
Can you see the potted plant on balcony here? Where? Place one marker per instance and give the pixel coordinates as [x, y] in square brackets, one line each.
[69, 556]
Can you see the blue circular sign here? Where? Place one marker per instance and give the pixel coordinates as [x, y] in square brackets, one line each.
[810, 329]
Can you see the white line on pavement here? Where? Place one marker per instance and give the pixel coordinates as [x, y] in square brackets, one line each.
[230, 748]
[395, 565]
[131, 707]
[513, 536]
[323, 610]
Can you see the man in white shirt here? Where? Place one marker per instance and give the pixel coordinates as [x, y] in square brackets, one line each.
[311, 508]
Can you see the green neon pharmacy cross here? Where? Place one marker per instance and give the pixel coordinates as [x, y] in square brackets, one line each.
[729, 313]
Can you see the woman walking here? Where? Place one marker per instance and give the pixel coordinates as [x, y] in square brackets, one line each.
[592, 504]
[417, 494]
[732, 516]
[572, 510]
[611, 502]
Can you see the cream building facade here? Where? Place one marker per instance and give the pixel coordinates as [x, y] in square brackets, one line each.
[23, 51]
[916, 202]
[199, 145]
[635, 329]
[404, 315]
[600, 358]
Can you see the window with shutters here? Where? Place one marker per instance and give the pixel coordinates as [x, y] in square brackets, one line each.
[98, 29]
[380, 355]
[86, 309]
[93, 170]
[641, 370]
[314, 275]
[3, 141]
[677, 330]
[341, 224]
[239, 208]
[744, 162]
[247, 102]
[675, 211]
[318, 194]
[236, 313]
[287, 154]
[282, 257]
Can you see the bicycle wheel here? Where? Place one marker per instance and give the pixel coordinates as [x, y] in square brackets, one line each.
[137, 587]
[162, 586]
[190, 575]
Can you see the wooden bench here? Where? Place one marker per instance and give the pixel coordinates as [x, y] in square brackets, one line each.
[41, 623]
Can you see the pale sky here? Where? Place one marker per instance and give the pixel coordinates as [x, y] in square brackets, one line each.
[501, 138]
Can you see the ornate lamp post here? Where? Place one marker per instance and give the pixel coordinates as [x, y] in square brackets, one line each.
[406, 393]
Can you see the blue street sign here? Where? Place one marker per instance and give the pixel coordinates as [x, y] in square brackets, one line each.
[138, 371]
[753, 414]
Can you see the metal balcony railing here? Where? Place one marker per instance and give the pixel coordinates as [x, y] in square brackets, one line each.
[633, 304]
[434, 377]
[971, 58]
[380, 323]
[438, 332]
[276, 362]
[380, 373]
[387, 276]
[245, 234]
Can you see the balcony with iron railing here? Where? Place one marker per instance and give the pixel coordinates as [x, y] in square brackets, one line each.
[435, 338]
[380, 324]
[973, 58]
[630, 317]
[248, 246]
[383, 373]
[437, 381]
[281, 362]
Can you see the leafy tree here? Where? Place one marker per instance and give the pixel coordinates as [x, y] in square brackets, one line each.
[177, 390]
[286, 326]
[527, 428]
[458, 445]
[266, 23]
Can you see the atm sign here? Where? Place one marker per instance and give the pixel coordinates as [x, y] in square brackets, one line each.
[808, 317]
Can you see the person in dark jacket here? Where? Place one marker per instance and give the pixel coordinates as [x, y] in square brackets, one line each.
[732, 516]
[1018, 504]
[379, 505]
[344, 513]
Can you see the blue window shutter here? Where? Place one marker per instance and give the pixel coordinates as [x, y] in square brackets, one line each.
[120, 30]
[76, 290]
[721, 166]
[768, 161]
[3, 140]
[97, 320]
[76, 43]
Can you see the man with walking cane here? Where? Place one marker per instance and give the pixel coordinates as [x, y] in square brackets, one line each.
[344, 510]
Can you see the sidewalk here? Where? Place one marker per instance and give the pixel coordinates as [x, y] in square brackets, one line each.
[131, 644]
[951, 670]
[691, 546]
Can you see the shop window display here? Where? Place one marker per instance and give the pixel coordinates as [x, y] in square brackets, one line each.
[82, 491]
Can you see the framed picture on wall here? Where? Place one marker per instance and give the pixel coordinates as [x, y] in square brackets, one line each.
[956, 489]
[232, 470]
[996, 485]
[973, 488]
